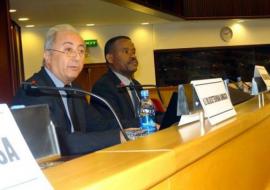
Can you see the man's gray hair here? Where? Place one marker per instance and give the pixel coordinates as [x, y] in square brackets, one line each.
[51, 34]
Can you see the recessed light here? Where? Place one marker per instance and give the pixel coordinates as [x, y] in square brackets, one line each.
[12, 10]
[90, 24]
[239, 21]
[144, 23]
[29, 26]
[23, 19]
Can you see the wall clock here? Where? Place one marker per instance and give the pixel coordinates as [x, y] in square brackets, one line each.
[226, 33]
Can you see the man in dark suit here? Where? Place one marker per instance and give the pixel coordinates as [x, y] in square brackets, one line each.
[122, 62]
[73, 117]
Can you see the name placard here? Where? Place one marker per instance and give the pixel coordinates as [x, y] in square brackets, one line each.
[260, 71]
[18, 168]
[214, 99]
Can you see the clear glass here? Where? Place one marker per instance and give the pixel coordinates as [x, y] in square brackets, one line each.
[135, 133]
[70, 52]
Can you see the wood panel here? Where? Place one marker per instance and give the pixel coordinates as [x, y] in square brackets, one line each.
[90, 74]
[17, 66]
[6, 83]
[207, 9]
[231, 155]
[210, 9]
[168, 6]
[240, 163]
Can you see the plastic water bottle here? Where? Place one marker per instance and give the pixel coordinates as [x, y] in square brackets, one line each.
[147, 113]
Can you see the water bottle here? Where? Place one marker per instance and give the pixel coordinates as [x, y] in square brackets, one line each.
[147, 113]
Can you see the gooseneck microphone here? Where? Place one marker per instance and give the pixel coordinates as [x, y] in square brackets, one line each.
[33, 85]
[147, 86]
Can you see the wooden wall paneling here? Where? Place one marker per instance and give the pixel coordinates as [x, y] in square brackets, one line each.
[172, 7]
[6, 84]
[207, 8]
[212, 9]
[90, 74]
[17, 66]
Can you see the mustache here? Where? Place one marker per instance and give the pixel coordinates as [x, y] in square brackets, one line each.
[134, 59]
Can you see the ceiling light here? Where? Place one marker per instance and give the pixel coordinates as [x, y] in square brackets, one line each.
[90, 24]
[239, 21]
[29, 26]
[144, 23]
[23, 19]
[12, 10]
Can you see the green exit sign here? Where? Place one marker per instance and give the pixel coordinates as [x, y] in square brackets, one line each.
[91, 43]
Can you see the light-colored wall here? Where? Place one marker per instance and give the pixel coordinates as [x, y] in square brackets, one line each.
[207, 33]
[147, 38]
[142, 36]
[32, 45]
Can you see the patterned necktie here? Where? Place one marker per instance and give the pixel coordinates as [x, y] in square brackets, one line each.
[72, 113]
[135, 99]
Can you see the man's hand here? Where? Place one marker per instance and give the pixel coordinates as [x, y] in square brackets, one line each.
[132, 134]
[157, 126]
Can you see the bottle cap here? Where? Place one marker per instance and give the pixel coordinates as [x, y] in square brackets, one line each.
[144, 93]
[238, 79]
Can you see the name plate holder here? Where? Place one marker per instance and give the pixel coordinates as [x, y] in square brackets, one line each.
[18, 168]
[189, 107]
[260, 84]
[214, 99]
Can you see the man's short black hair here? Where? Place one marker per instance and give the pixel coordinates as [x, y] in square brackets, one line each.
[109, 44]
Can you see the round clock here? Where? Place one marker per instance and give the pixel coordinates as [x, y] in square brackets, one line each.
[226, 33]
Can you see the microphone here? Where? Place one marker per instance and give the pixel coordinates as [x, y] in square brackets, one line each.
[33, 85]
[244, 84]
[147, 86]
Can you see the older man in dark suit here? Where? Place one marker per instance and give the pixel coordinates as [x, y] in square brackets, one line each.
[74, 119]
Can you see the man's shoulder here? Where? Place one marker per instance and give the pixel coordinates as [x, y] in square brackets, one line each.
[108, 79]
[39, 77]
[136, 82]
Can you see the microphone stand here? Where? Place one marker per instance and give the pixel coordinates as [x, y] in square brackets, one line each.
[76, 90]
[144, 85]
[244, 83]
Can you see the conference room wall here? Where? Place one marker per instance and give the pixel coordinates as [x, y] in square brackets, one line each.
[33, 40]
[184, 34]
[191, 34]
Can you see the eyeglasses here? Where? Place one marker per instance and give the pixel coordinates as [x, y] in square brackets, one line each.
[69, 52]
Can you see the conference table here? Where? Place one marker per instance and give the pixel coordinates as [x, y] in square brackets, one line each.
[234, 154]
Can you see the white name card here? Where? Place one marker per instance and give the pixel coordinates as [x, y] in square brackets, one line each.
[18, 168]
[260, 71]
[185, 119]
[214, 99]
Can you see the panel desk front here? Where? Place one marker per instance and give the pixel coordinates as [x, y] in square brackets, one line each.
[234, 154]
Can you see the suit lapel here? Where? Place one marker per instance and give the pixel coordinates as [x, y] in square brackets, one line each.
[58, 99]
[48, 82]
[123, 91]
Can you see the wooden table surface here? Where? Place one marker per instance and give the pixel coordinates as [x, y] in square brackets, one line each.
[163, 160]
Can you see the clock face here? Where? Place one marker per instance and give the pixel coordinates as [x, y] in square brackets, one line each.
[226, 33]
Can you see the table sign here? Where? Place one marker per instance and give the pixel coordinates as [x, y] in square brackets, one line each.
[185, 119]
[214, 99]
[18, 168]
[260, 71]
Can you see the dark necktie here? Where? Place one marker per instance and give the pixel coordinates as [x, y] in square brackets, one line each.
[71, 109]
[136, 101]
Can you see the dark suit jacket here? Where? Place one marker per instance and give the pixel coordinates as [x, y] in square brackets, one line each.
[80, 142]
[107, 87]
